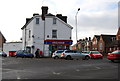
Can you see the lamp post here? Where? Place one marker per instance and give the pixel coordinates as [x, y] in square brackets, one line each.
[76, 26]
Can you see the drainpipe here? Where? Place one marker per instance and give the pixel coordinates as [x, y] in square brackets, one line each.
[44, 39]
[25, 40]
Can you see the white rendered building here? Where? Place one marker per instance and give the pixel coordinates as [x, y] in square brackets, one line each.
[46, 32]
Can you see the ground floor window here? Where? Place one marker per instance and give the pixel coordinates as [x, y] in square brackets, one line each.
[53, 48]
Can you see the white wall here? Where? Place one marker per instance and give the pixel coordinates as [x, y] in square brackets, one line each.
[12, 46]
[63, 31]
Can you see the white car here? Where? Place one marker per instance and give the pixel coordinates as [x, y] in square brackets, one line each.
[57, 54]
[73, 54]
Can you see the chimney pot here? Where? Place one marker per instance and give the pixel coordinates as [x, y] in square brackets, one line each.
[44, 11]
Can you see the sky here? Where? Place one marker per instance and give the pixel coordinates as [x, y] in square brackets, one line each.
[95, 17]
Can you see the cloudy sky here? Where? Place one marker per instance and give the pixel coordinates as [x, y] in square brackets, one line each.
[94, 18]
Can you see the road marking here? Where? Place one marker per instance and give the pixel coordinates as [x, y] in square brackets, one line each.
[77, 70]
[55, 73]
[18, 77]
[97, 67]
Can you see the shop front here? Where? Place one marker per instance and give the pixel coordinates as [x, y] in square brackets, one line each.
[58, 44]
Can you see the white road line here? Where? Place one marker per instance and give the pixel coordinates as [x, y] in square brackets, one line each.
[56, 73]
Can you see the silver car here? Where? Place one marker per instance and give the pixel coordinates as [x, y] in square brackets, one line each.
[73, 54]
[57, 54]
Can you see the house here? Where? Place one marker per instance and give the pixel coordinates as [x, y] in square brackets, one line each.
[115, 45]
[104, 42]
[95, 41]
[46, 32]
[2, 40]
[118, 34]
[83, 45]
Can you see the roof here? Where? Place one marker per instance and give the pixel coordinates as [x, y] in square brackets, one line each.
[2, 36]
[115, 43]
[47, 15]
[107, 38]
[97, 37]
[27, 23]
[118, 33]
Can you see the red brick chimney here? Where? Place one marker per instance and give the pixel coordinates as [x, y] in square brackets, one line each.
[44, 11]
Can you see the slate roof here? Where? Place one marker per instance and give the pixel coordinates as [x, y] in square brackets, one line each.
[107, 39]
[97, 37]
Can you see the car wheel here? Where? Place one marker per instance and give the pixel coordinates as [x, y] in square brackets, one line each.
[56, 57]
[112, 60]
[68, 58]
[23, 56]
[87, 57]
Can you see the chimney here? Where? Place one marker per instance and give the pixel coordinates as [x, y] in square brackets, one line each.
[35, 14]
[89, 38]
[44, 11]
[64, 18]
[27, 20]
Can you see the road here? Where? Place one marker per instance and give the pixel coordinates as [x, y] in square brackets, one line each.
[48, 68]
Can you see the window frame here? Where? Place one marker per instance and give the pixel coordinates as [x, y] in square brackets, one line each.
[54, 20]
[54, 33]
[37, 20]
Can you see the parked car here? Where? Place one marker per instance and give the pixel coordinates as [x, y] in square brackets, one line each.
[73, 54]
[23, 54]
[115, 55]
[95, 54]
[57, 54]
[3, 54]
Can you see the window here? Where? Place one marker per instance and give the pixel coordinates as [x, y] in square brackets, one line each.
[54, 33]
[37, 20]
[113, 38]
[101, 46]
[29, 33]
[54, 20]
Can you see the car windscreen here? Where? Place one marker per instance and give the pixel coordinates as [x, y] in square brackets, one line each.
[116, 52]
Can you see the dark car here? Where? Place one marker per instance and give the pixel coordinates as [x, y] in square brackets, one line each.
[114, 56]
[23, 54]
[3, 54]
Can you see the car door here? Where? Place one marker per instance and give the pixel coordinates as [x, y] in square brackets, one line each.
[78, 54]
[75, 54]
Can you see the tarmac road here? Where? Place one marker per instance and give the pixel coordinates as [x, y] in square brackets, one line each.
[48, 68]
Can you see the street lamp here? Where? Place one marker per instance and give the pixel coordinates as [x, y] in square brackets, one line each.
[76, 26]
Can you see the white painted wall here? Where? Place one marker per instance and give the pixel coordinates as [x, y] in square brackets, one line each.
[12, 46]
[63, 30]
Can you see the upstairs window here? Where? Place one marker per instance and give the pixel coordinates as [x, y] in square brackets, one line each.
[54, 20]
[29, 34]
[37, 20]
[54, 33]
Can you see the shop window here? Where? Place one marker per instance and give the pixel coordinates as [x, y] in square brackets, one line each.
[54, 33]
